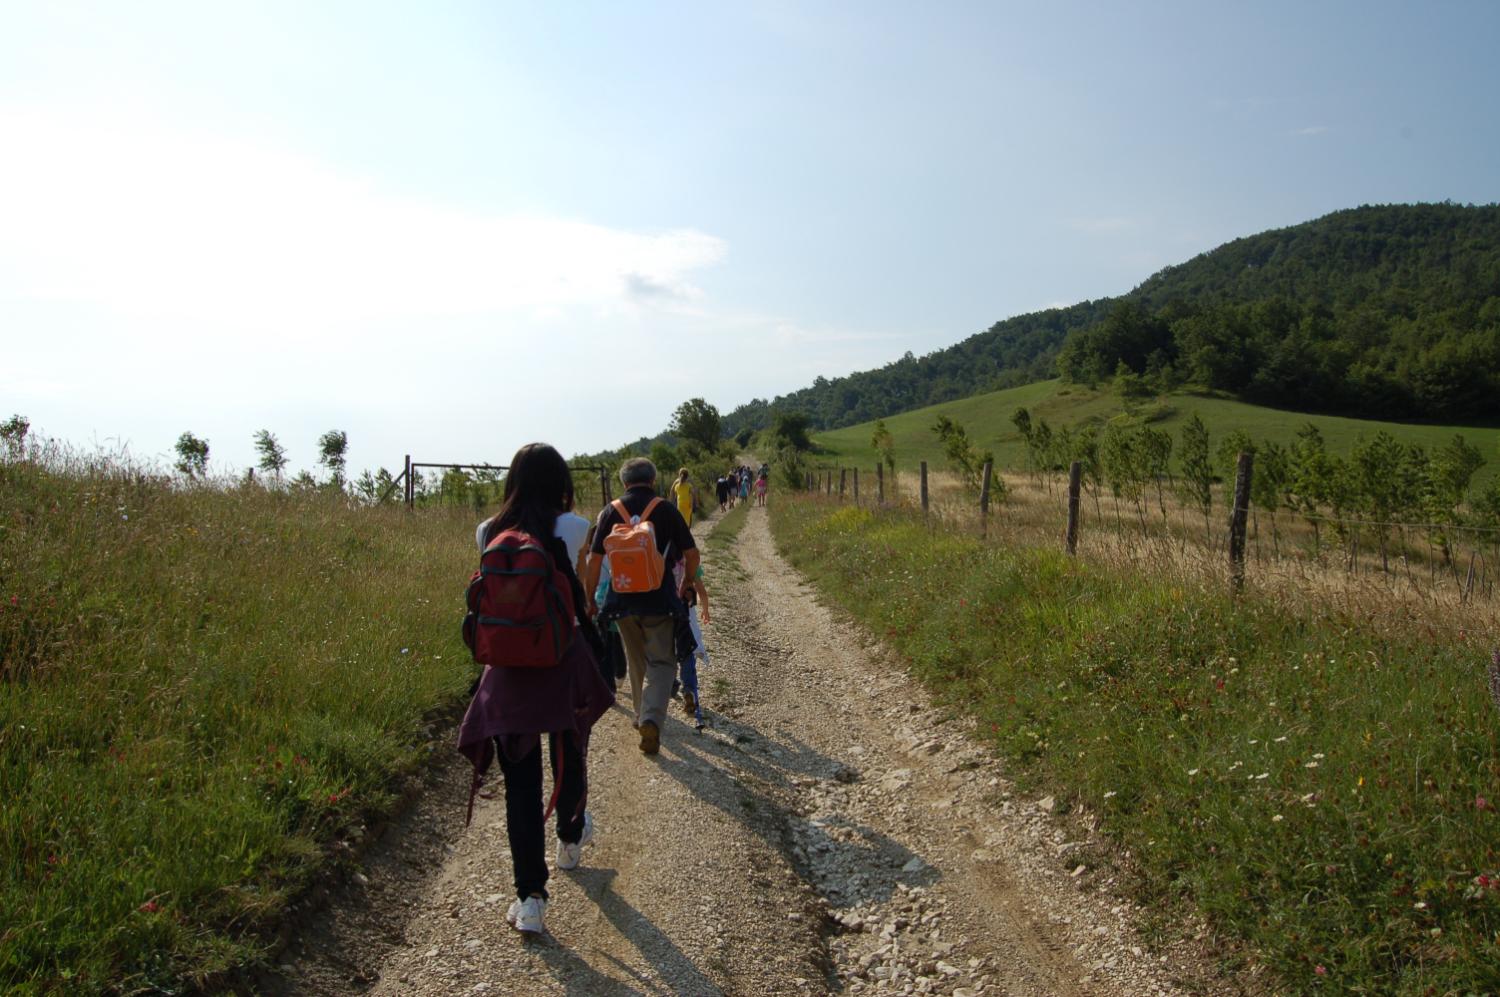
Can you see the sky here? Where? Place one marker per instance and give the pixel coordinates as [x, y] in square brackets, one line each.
[448, 229]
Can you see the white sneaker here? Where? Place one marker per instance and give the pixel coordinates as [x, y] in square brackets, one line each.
[569, 855]
[526, 915]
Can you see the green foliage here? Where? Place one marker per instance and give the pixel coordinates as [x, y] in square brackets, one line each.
[697, 421]
[884, 444]
[964, 459]
[333, 447]
[272, 454]
[1196, 483]
[1317, 779]
[192, 456]
[13, 436]
[200, 690]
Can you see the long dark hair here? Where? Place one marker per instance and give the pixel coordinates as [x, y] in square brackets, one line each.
[537, 488]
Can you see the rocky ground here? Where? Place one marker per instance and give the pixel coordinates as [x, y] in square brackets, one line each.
[829, 832]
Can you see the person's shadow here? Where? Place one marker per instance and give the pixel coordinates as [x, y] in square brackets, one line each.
[573, 970]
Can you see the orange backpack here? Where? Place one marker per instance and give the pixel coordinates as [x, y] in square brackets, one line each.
[635, 564]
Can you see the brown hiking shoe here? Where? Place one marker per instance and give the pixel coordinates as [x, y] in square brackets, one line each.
[650, 738]
[689, 702]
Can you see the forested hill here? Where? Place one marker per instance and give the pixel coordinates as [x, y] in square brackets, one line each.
[1391, 311]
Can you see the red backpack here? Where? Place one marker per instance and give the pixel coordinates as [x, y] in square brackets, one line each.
[520, 605]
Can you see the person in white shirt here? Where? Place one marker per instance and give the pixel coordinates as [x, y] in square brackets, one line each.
[570, 528]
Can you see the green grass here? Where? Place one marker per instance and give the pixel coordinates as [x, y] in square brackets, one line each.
[199, 690]
[1319, 780]
[987, 419]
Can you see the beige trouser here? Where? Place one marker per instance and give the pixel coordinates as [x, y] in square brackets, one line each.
[650, 655]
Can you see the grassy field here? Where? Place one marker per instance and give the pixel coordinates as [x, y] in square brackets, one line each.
[987, 419]
[1316, 772]
[202, 690]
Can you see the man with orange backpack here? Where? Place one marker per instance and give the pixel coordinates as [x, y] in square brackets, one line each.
[643, 538]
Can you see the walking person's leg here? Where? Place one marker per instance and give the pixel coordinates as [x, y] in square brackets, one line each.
[633, 637]
[526, 834]
[661, 671]
[575, 826]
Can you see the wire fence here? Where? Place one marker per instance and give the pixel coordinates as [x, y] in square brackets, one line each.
[1226, 534]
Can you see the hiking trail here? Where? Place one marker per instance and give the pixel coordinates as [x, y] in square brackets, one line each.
[831, 832]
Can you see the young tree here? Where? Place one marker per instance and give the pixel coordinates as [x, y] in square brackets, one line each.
[1310, 474]
[1021, 419]
[1383, 476]
[1130, 386]
[885, 445]
[698, 421]
[1197, 482]
[1449, 472]
[333, 447]
[192, 456]
[1156, 455]
[963, 456]
[272, 453]
[13, 436]
[1123, 466]
[1041, 441]
[790, 429]
[1268, 488]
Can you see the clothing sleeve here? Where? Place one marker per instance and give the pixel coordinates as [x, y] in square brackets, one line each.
[479, 534]
[571, 528]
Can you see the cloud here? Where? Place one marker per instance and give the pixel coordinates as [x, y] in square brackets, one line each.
[1311, 130]
[148, 220]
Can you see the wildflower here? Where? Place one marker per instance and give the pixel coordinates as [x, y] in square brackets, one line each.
[1311, 765]
[1320, 970]
[1109, 794]
[1276, 819]
[1192, 772]
[1420, 905]
[1480, 803]
[1281, 739]
[149, 907]
[1320, 755]
[1263, 775]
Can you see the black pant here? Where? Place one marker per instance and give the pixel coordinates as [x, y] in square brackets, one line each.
[524, 807]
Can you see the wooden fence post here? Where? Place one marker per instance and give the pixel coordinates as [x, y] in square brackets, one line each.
[828, 482]
[984, 500]
[1075, 485]
[856, 486]
[880, 484]
[842, 473]
[924, 490]
[1237, 516]
[410, 495]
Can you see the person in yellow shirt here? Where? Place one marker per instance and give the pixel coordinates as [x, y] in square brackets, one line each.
[683, 493]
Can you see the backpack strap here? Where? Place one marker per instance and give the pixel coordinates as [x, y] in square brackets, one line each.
[646, 512]
[621, 511]
[624, 514]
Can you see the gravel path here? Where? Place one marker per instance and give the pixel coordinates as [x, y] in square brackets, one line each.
[829, 832]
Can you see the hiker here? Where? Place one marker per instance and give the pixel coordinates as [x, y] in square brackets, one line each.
[762, 483]
[744, 484]
[571, 528]
[690, 647]
[646, 610]
[513, 706]
[721, 492]
[682, 491]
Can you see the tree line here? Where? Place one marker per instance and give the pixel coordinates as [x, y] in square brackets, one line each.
[1391, 310]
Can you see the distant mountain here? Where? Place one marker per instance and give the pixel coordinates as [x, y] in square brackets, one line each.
[1390, 311]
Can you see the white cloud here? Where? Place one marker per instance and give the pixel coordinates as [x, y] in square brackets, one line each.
[1311, 130]
[148, 220]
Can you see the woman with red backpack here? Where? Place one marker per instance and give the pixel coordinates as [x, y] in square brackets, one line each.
[528, 624]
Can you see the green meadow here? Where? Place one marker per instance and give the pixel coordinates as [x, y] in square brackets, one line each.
[202, 691]
[987, 419]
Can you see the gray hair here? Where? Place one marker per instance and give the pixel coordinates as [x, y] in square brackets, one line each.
[637, 471]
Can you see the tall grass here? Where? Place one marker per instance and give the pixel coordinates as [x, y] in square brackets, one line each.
[1316, 772]
[200, 687]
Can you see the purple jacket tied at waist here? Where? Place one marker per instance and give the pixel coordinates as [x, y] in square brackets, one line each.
[517, 705]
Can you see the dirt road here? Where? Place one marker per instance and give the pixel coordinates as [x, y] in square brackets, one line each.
[830, 832]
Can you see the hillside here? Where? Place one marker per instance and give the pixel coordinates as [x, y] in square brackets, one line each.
[987, 419]
[1388, 310]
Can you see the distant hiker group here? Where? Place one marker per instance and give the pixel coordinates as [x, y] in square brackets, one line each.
[558, 611]
[736, 486]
